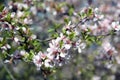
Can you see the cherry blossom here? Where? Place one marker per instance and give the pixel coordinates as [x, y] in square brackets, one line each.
[37, 59]
[116, 26]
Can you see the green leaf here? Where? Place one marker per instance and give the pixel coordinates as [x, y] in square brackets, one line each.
[8, 17]
[55, 35]
[57, 25]
[30, 56]
[72, 35]
[1, 7]
[61, 43]
[66, 20]
[51, 30]
[62, 4]
[71, 10]
[83, 15]
[90, 12]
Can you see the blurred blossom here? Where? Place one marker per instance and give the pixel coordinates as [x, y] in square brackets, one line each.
[33, 10]
[33, 36]
[7, 61]
[4, 47]
[23, 53]
[47, 63]
[1, 39]
[16, 39]
[54, 47]
[77, 31]
[112, 77]
[96, 10]
[106, 45]
[118, 59]
[80, 46]
[10, 7]
[8, 46]
[116, 26]
[108, 48]
[109, 65]
[28, 21]
[48, 9]
[37, 59]
[54, 13]
[20, 14]
[24, 29]
[21, 5]
[63, 54]
[96, 77]
[12, 14]
[67, 46]
[17, 28]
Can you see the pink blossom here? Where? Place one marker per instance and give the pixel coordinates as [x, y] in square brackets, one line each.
[37, 59]
[116, 26]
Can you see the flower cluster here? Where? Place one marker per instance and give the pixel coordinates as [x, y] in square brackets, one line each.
[97, 23]
[107, 49]
[71, 37]
[18, 12]
[59, 49]
[16, 39]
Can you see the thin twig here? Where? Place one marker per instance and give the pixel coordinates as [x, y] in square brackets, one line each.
[81, 21]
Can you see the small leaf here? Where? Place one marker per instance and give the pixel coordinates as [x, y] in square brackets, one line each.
[71, 10]
[89, 13]
[66, 20]
[51, 30]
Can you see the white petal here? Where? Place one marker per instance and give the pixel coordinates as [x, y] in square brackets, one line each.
[16, 39]
[67, 46]
[82, 45]
[79, 50]
[23, 52]
[24, 29]
[33, 36]
[20, 14]
[47, 63]
[62, 54]
[7, 61]
[8, 46]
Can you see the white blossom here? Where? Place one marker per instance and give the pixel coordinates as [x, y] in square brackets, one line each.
[96, 78]
[33, 10]
[16, 39]
[37, 59]
[1, 39]
[116, 26]
[4, 47]
[47, 63]
[63, 54]
[20, 14]
[28, 21]
[67, 46]
[12, 14]
[24, 29]
[33, 36]
[23, 53]
[8, 46]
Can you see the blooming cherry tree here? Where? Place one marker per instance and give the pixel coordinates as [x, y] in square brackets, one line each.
[19, 43]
